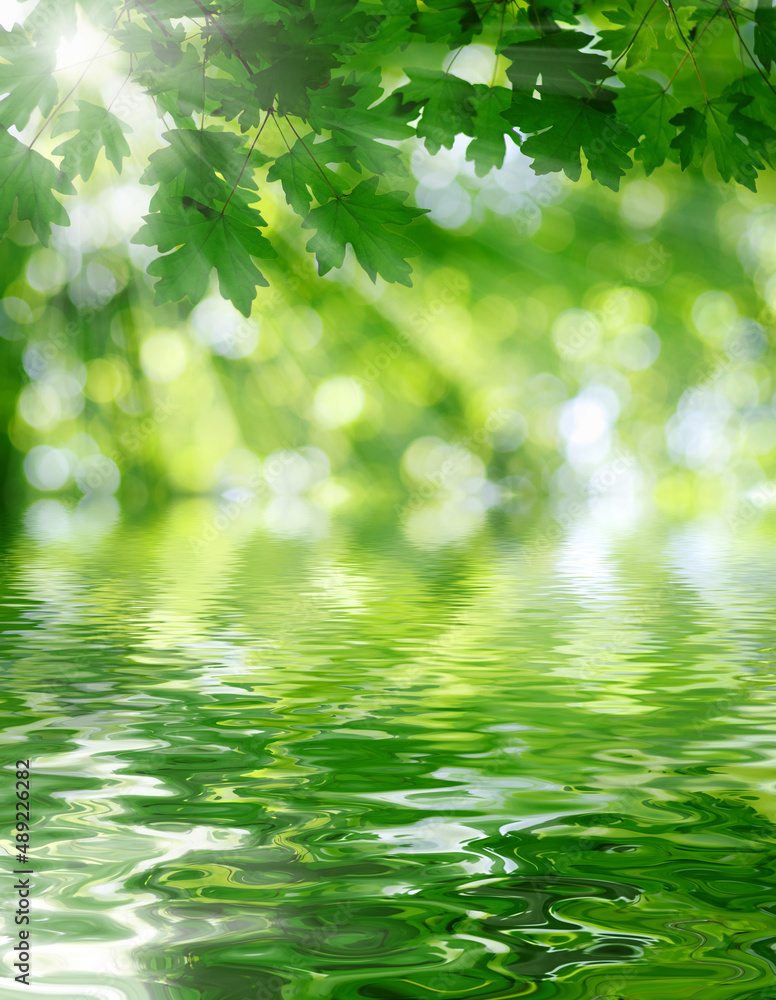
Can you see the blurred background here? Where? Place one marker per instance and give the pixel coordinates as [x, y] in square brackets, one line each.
[560, 341]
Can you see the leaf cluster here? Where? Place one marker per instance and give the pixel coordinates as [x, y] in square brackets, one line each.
[293, 93]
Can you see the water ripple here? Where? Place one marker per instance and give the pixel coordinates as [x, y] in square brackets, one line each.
[355, 767]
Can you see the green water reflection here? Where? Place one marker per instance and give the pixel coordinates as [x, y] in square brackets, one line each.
[318, 758]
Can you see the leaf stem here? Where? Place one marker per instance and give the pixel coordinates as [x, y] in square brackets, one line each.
[745, 47]
[282, 134]
[631, 43]
[688, 53]
[622, 54]
[245, 161]
[450, 64]
[689, 48]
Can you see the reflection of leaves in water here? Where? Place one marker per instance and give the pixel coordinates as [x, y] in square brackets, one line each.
[275, 802]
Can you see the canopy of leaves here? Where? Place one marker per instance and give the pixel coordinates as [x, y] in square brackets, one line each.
[317, 96]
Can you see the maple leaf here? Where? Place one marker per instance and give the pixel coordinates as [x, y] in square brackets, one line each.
[716, 125]
[232, 103]
[758, 134]
[173, 76]
[576, 126]
[208, 166]
[636, 37]
[458, 23]
[761, 104]
[561, 10]
[295, 68]
[368, 119]
[680, 27]
[734, 157]
[321, 62]
[273, 11]
[201, 240]
[646, 110]
[25, 78]
[558, 59]
[199, 162]
[384, 32]
[149, 37]
[691, 139]
[488, 146]
[339, 22]
[449, 106]
[360, 219]
[765, 35]
[303, 175]
[29, 180]
[96, 129]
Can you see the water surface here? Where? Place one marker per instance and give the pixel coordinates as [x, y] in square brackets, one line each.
[329, 758]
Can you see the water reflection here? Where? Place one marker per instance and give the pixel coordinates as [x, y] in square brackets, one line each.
[345, 756]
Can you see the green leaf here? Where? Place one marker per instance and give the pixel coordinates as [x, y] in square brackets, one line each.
[646, 110]
[200, 163]
[273, 11]
[291, 60]
[680, 27]
[293, 71]
[488, 146]
[758, 134]
[557, 58]
[316, 68]
[96, 129]
[692, 137]
[209, 167]
[302, 170]
[716, 124]
[754, 112]
[383, 32]
[369, 119]
[339, 21]
[733, 156]
[457, 23]
[360, 219]
[705, 13]
[762, 103]
[449, 105]
[765, 36]
[204, 240]
[559, 10]
[636, 37]
[29, 179]
[140, 38]
[232, 103]
[172, 71]
[576, 126]
[25, 78]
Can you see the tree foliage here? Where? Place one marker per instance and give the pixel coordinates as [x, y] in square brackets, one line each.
[296, 93]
